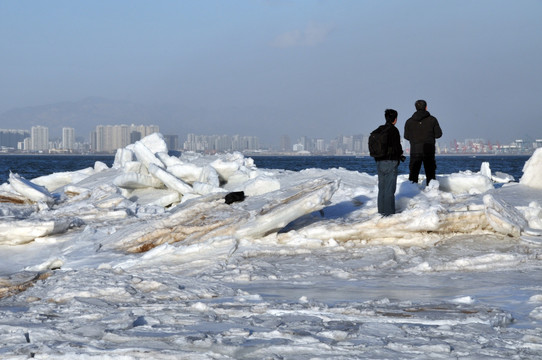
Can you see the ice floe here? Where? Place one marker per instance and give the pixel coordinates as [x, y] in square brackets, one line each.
[146, 259]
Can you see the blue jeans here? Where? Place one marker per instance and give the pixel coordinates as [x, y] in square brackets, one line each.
[387, 184]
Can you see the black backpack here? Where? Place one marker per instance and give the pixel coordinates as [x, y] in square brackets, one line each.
[378, 142]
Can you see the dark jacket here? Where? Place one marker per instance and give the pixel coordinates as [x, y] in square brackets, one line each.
[394, 144]
[421, 130]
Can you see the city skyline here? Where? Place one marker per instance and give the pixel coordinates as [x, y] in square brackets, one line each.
[109, 138]
[94, 109]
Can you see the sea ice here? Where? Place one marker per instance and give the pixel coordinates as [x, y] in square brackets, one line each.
[465, 182]
[145, 155]
[532, 174]
[29, 190]
[134, 180]
[146, 260]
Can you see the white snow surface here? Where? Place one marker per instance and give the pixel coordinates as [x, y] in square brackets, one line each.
[145, 260]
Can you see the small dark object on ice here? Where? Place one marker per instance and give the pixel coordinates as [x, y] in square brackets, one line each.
[235, 197]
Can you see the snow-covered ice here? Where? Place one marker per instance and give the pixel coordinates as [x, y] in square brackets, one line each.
[146, 260]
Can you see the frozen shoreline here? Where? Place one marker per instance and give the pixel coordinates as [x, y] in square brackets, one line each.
[304, 267]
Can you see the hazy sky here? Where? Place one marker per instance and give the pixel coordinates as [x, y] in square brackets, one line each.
[319, 68]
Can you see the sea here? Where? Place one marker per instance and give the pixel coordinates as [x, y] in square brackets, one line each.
[32, 166]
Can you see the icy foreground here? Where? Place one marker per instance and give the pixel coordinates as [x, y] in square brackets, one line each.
[147, 260]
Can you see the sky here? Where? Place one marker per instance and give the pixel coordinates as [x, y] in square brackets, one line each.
[318, 68]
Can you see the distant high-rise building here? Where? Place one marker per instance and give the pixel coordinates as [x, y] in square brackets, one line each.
[120, 136]
[135, 136]
[109, 138]
[305, 142]
[39, 138]
[285, 143]
[68, 138]
[26, 144]
[220, 143]
[172, 141]
[358, 144]
[320, 145]
[348, 143]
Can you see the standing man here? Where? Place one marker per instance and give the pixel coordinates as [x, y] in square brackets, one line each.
[421, 130]
[387, 165]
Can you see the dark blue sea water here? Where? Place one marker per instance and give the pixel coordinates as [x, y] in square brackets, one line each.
[512, 165]
[31, 166]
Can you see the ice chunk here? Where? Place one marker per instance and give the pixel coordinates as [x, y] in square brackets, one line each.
[135, 166]
[11, 197]
[30, 190]
[24, 231]
[205, 188]
[536, 313]
[536, 299]
[305, 198]
[465, 182]
[134, 180]
[122, 156]
[464, 300]
[261, 185]
[485, 170]
[57, 180]
[16, 210]
[225, 168]
[237, 180]
[20, 281]
[155, 143]
[215, 219]
[145, 155]
[249, 162]
[112, 201]
[77, 193]
[168, 160]
[190, 156]
[532, 170]
[100, 166]
[169, 180]
[158, 197]
[188, 173]
[503, 217]
[193, 220]
[533, 215]
[209, 176]
[500, 177]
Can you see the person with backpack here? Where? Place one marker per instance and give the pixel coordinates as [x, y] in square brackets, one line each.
[421, 130]
[385, 147]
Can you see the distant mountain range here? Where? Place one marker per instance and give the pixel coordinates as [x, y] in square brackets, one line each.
[86, 114]
[82, 115]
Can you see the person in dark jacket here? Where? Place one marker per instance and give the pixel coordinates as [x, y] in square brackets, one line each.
[421, 130]
[387, 166]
